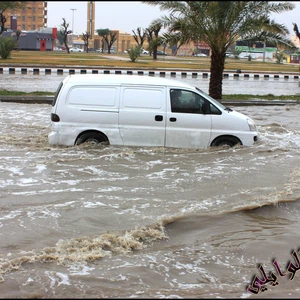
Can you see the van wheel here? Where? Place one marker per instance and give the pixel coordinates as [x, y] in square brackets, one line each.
[226, 141]
[92, 137]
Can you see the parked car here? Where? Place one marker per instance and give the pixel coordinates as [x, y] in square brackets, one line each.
[143, 51]
[75, 49]
[229, 55]
[245, 56]
[57, 49]
[200, 55]
[111, 51]
[159, 52]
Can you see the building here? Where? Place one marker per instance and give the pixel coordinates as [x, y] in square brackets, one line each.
[124, 41]
[32, 16]
[192, 48]
[91, 19]
[43, 40]
[295, 40]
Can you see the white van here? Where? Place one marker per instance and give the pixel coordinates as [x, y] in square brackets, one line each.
[135, 110]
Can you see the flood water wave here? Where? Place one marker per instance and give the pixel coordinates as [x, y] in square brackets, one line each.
[142, 221]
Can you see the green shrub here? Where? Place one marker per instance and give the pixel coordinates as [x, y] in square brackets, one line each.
[279, 57]
[134, 53]
[7, 44]
[236, 53]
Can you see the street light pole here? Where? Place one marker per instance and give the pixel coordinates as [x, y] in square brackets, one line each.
[73, 9]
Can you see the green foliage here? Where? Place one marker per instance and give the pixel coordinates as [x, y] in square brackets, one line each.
[279, 57]
[5, 5]
[109, 37]
[7, 44]
[60, 37]
[103, 32]
[236, 53]
[221, 23]
[134, 53]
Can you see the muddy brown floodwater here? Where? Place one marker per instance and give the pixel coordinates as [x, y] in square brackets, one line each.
[103, 222]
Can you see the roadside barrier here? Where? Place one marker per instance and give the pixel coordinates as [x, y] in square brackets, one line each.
[68, 71]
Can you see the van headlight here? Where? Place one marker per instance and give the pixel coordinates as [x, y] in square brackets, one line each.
[251, 125]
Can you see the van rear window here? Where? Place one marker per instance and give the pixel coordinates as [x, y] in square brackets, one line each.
[93, 96]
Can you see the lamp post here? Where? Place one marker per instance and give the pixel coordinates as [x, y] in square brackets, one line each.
[73, 9]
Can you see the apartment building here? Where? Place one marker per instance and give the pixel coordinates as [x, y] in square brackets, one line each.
[32, 16]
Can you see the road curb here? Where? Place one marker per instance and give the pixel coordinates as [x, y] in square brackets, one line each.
[28, 99]
[157, 72]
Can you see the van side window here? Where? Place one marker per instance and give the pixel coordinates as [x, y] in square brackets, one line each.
[56, 93]
[183, 101]
[176, 104]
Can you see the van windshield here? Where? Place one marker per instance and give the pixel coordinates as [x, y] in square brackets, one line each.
[212, 100]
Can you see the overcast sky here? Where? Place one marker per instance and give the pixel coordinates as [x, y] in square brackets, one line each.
[115, 15]
[127, 15]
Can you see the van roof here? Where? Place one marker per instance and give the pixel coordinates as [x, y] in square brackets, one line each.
[126, 79]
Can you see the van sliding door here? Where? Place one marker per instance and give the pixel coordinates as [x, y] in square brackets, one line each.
[142, 115]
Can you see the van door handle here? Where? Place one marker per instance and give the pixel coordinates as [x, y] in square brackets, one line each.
[158, 118]
[173, 119]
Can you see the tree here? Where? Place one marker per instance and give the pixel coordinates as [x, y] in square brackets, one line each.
[176, 40]
[60, 38]
[64, 33]
[134, 53]
[153, 37]
[296, 30]
[7, 44]
[140, 36]
[178, 34]
[222, 23]
[2, 23]
[279, 57]
[108, 36]
[18, 34]
[85, 37]
[8, 5]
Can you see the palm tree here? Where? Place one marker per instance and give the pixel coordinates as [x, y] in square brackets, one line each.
[177, 36]
[221, 23]
[154, 40]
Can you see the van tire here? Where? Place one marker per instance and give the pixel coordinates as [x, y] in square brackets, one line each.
[226, 141]
[93, 137]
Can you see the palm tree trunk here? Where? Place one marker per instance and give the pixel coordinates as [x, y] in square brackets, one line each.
[216, 75]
